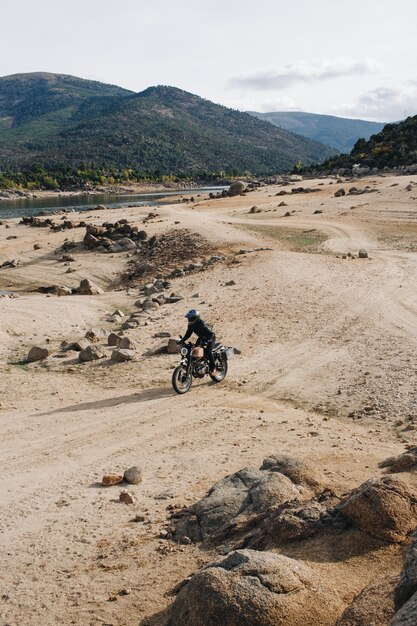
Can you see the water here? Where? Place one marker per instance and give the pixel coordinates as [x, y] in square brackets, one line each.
[33, 206]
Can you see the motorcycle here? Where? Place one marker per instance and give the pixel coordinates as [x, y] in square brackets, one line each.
[194, 364]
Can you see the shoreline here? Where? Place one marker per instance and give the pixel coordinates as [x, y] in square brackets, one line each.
[134, 188]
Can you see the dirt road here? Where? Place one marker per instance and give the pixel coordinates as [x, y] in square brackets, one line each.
[327, 372]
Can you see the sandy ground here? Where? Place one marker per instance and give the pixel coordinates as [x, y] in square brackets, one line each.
[327, 372]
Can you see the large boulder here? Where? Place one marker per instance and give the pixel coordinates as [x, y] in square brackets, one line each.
[401, 463]
[384, 508]
[297, 470]
[407, 585]
[374, 605]
[241, 496]
[236, 188]
[407, 615]
[250, 588]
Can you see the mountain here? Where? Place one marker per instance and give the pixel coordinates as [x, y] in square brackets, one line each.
[394, 146]
[339, 132]
[53, 119]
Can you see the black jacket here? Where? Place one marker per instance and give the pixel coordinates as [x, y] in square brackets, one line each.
[201, 329]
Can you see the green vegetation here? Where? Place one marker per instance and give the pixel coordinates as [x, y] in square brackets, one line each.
[295, 239]
[73, 130]
[338, 132]
[395, 145]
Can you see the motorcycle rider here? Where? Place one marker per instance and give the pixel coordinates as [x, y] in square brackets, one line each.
[204, 333]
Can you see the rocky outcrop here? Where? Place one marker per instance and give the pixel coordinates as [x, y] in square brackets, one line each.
[373, 605]
[407, 585]
[384, 508]
[238, 498]
[236, 188]
[403, 462]
[250, 588]
[407, 615]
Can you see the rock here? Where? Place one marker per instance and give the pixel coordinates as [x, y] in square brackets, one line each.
[230, 283]
[133, 475]
[255, 209]
[339, 193]
[126, 244]
[113, 339]
[385, 508]
[173, 347]
[76, 346]
[162, 349]
[363, 254]
[401, 463]
[236, 188]
[91, 353]
[147, 304]
[407, 585]
[121, 356]
[37, 353]
[63, 291]
[118, 313]
[297, 470]
[97, 335]
[127, 343]
[174, 297]
[88, 288]
[161, 335]
[288, 522]
[407, 615]
[373, 606]
[250, 588]
[109, 480]
[244, 493]
[127, 497]
[37, 246]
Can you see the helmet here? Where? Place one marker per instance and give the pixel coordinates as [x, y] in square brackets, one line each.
[192, 315]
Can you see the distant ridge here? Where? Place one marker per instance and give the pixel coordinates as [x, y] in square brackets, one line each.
[56, 119]
[395, 146]
[339, 132]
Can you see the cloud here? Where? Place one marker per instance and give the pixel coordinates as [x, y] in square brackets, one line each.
[305, 72]
[385, 104]
[263, 105]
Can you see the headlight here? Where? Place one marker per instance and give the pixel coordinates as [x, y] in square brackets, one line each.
[184, 351]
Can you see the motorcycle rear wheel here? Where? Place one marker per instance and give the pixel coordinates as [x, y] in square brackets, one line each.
[221, 366]
[181, 379]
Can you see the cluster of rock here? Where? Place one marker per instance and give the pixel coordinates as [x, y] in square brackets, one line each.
[355, 191]
[118, 237]
[172, 255]
[6, 194]
[37, 222]
[288, 500]
[86, 288]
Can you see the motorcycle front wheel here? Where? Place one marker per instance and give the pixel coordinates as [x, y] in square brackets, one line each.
[181, 379]
[221, 367]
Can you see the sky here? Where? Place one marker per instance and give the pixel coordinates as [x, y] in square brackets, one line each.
[355, 58]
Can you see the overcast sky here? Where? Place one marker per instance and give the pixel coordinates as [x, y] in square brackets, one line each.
[355, 58]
